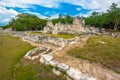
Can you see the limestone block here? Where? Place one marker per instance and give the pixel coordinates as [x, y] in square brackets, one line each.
[74, 74]
[60, 48]
[47, 57]
[73, 42]
[42, 60]
[53, 63]
[84, 76]
[35, 57]
[91, 78]
[57, 72]
[28, 53]
[63, 67]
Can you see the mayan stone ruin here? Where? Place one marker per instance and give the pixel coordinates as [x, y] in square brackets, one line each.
[77, 26]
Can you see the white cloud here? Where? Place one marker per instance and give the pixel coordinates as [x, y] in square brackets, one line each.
[37, 14]
[6, 14]
[93, 5]
[28, 3]
[87, 4]
[78, 9]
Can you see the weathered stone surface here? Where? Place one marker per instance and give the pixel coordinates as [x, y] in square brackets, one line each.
[33, 51]
[27, 54]
[48, 28]
[53, 63]
[85, 76]
[1, 29]
[63, 67]
[35, 57]
[57, 72]
[42, 38]
[74, 74]
[77, 26]
[8, 29]
[42, 60]
[47, 57]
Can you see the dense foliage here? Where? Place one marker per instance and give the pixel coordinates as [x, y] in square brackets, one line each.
[27, 22]
[67, 19]
[109, 19]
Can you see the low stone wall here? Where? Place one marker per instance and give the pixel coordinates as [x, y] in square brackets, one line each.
[72, 73]
[47, 58]
[112, 34]
[33, 51]
[42, 38]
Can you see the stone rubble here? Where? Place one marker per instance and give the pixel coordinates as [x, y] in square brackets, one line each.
[55, 71]
[47, 59]
[63, 67]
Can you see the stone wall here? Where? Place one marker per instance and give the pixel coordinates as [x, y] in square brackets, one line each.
[42, 38]
[47, 58]
[111, 34]
[1, 29]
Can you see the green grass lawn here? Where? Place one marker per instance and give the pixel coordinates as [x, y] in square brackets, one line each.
[35, 32]
[102, 50]
[65, 36]
[11, 52]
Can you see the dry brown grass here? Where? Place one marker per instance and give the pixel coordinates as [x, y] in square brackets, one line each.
[107, 53]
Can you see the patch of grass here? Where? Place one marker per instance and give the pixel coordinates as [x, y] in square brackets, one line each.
[35, 32]
[107, 53]
[35, 71]
[65, 36]
[11, 50]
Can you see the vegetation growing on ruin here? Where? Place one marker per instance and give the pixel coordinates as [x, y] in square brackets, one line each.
[28, 70]
[102, 50]
[65, 36]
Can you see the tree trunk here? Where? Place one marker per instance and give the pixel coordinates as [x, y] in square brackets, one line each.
[116, 24]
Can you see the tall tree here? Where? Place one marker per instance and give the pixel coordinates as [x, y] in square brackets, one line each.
[26, 22]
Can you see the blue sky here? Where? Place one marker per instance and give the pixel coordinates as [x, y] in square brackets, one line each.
[43, 8]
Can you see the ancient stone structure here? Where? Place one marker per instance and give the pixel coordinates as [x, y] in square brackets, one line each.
[8, 29]
[49, 27]
[42, 38]
[1, 29]
[78, 25]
